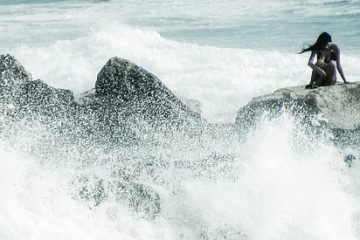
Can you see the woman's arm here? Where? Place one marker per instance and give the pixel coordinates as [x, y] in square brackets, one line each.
[338, 63]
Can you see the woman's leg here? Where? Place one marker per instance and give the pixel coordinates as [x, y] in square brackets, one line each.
[314, 81]
[330, 73]
[315, 76]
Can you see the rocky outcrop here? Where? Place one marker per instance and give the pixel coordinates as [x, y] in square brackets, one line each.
[126, 102]
[338, 105]
[128, 106]
[12, 76]
[128, 86]
[37, 96]
[21, 96]
[334, 107]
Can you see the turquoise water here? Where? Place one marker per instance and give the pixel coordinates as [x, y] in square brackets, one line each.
[266, 25]
[279, 183]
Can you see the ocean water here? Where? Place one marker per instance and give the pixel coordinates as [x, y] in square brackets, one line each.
[279, 183]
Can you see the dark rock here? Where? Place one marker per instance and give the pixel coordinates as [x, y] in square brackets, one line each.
[23, 98]
[127, 105]
[39, 93]
[22, 95]
[126, 80]
[39, 97]
[12, 77]
[127, 86]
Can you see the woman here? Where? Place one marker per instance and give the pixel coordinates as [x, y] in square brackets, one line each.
[328, 60]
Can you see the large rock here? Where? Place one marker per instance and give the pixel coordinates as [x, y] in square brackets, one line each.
[129, 86]
[125, 80]
[20, 95]
[338, 106]
[37, 96]
[127, 104]
[12, 77]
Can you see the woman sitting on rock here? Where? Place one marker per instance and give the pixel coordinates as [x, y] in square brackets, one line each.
[328, 60]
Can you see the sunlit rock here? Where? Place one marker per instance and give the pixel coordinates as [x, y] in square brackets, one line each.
[337, 105]
[335, 109]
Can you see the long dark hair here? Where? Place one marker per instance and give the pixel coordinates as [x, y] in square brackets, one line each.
[323, 39]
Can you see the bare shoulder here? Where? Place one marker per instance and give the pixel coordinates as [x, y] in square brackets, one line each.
[335, 47]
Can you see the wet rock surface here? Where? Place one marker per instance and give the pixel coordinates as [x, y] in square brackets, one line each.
[127, 100]
[334, 107]
[126, 85]
[12, 77]
[338, 104]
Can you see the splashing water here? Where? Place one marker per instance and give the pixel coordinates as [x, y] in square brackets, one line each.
[277, 182]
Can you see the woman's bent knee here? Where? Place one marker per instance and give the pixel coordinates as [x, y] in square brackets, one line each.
[331, 65]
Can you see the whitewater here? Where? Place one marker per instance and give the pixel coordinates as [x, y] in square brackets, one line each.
[277, 182]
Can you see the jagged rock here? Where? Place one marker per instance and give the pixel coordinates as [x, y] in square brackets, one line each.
[21, 96]
[124, 92]
[127, 105]
[39, 93]
[12, 77]
[125, 80]
[126, 85]
[40, 97]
